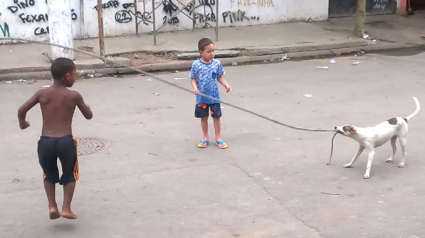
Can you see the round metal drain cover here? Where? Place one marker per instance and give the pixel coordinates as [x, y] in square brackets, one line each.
[87, 146]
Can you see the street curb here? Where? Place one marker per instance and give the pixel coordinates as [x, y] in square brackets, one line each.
[186, 65]
[81, 65]
[305, 48]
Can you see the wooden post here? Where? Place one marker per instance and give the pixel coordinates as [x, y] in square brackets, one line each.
[144, 6]
[81, 19]
[193, 14]
[154, 22]
[360, 18]
[135, 18]
[216, 21]
[100, 24]
[205, 16]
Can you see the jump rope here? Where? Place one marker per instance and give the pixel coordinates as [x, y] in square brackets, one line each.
[181, 88]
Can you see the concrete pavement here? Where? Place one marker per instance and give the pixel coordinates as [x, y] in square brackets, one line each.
[152, 181]
[299, 39]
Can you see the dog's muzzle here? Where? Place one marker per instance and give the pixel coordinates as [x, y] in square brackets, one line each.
[338, 131]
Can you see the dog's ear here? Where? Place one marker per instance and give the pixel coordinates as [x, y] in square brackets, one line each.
[352, 130]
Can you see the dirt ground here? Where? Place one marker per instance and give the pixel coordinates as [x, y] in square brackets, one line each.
[141, 58]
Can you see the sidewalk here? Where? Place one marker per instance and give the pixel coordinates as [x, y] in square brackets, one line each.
[253, 43]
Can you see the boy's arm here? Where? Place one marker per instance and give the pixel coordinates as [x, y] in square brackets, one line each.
[194, 86]
[84, 108]
[22, 111]
[193, 75]
[221, 79]
[225, 84]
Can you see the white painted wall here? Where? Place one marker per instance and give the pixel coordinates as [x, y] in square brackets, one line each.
[28, 18]
[119, 15]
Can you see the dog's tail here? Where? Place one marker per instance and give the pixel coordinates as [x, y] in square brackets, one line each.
[418, 107]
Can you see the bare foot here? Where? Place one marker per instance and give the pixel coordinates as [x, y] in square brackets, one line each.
[54, 213]
[68, 215]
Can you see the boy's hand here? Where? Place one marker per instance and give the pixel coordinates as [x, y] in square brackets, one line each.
[196, 91]
[24, 125]
[228, 88]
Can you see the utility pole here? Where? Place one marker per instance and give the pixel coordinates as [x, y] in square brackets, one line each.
[360, 18]
[60, 28]
[100, 25]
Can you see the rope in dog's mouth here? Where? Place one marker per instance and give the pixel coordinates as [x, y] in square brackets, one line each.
[174, 85]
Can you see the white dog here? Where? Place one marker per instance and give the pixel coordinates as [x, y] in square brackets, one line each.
[371, 137]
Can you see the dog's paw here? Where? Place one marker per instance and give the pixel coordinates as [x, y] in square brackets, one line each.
[366, 176]
[389, 160]
[347, 165]
[401, 165]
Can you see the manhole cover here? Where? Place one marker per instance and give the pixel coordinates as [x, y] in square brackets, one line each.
[87, 146]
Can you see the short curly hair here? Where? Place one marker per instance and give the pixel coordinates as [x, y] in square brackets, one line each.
[61, 66]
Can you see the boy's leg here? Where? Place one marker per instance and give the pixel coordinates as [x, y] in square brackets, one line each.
[216, 115]
[53, 207]
[68, 193]
[204, 125]
[48, 161]
[67, 151]
[201, 111]
[217, 128]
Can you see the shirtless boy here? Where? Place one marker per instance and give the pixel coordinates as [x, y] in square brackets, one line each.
[57, 107]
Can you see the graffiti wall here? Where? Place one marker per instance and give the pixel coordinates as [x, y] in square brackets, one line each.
[29, 18]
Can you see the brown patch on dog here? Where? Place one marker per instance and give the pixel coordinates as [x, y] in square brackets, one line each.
[405, 119]
[393, 121]
[349, 129]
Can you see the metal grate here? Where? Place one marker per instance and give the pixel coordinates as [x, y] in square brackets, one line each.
[87, 146]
